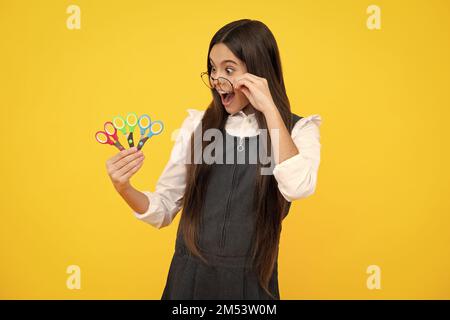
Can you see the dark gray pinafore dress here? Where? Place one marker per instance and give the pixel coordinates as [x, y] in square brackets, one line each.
[225, 236]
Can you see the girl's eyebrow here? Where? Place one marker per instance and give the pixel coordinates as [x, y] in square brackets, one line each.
[224, 61]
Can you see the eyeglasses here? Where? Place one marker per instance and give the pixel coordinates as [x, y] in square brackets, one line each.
[222, 83]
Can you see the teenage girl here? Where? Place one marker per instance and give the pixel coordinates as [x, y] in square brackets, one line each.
[229, 231]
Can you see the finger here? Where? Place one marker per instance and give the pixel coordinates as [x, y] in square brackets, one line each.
[133, 170]
[129, 165]
[244, 76]
[122, 154]
[246, 92]
[255, 78]
[252, 78]
[245, 82]
[124, 161]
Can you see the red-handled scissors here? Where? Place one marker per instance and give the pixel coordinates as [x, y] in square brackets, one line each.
[109, 136]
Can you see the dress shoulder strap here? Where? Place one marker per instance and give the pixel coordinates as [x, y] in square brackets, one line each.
[295, 118]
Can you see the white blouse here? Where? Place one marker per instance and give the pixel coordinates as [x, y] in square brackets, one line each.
[296, 176]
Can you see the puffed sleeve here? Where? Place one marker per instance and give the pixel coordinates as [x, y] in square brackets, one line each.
[297, 176]
[165, 201]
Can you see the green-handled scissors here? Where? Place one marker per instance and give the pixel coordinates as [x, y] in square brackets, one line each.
[145, 123]
[130, 121]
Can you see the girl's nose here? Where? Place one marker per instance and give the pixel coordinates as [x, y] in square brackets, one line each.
[215, 84]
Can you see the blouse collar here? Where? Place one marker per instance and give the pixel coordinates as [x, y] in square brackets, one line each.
[241, 114]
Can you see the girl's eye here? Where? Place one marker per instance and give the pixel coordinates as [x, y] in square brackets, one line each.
[228, 70]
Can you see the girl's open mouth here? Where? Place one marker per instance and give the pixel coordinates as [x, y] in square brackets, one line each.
[227, 98]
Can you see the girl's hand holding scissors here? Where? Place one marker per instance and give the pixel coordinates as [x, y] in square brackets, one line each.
[123, 166]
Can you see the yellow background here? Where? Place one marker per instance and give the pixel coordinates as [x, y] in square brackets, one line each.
[382, 196]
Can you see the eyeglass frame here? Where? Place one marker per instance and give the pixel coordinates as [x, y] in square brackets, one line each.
[209, 76]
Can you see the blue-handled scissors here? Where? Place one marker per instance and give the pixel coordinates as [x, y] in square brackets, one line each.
[145, 123]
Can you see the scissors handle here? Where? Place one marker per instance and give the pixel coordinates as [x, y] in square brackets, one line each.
[130, 140]
[141, 143]
[154, 133]
[143, 129]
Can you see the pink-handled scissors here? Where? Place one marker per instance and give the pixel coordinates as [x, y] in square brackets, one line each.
[109, 136]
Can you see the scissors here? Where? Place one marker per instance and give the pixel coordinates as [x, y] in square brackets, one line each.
[131, 121]
[145, 123]
[109, 136]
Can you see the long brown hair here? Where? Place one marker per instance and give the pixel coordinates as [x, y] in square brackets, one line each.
[254, 44]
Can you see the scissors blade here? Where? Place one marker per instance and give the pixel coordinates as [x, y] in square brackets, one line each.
[130, 140]
[141, 143]
[118, 145]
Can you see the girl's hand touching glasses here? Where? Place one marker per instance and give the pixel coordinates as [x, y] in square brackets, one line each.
[257, 91]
